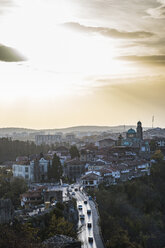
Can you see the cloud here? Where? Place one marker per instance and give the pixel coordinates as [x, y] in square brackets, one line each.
[158, 12]
[139, 91]
[9, 54]
[153, 59]
[108, 32]
[4, 4]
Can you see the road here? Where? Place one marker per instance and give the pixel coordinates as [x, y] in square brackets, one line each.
[93, 218]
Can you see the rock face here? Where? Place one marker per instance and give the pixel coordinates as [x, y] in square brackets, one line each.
[61, 241]
[6, 211]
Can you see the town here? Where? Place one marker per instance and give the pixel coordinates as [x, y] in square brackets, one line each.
[74, 166]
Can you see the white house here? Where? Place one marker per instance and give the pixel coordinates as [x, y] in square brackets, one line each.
[25, 170]
[90, 180]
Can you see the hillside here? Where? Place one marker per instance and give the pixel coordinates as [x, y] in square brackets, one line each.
[113, 129]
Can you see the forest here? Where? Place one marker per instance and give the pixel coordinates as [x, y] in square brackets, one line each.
[10, 149]
[133, 213]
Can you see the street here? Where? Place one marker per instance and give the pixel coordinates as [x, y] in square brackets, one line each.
[84, 231]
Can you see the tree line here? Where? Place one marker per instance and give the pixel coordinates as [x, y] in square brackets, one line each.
[10, 149]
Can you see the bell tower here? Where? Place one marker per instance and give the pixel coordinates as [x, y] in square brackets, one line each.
[139, 130]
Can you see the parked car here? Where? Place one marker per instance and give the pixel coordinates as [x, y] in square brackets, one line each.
[76, 189]
[90, 239]
[90, 197]
[85, 202]
[73, 193]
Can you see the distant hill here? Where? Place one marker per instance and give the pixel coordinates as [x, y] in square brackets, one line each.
[114, 129]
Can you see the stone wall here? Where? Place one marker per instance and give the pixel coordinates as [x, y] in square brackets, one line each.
[56, 194]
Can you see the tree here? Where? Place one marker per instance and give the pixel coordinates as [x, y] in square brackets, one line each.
[152, 145]
[17, 187]
[74, 152]
[158, 156]
[55, 171]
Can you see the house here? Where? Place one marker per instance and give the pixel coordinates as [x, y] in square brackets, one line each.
[23, 169]
[87, 155]
[90, 180]
[74, 168]
[105, 143]
[32, 171]
[31, 198]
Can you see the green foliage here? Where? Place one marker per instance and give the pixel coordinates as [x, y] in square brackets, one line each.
[55, 170]
[153, 145]
[158, 156]
[12, 188]
[32, 233]
[74, 152]
[60, 226]
[54, 223]
[19, 235]
[133, 213]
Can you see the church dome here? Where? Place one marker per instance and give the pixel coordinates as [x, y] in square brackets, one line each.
[131, 131]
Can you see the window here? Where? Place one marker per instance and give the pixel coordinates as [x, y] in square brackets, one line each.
[26, 169]
[26, 176]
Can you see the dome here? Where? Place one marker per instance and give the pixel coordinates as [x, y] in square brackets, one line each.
[131, 131]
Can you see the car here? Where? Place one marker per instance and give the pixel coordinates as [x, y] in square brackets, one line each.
[76, 189]
[73, 193]
[88, 211]
[90, 239]
[65, 185]
[90, 197]
[89, 225]
[82, 216]
[80, 207]
[70, 190]
[85, 202]
[72, 186]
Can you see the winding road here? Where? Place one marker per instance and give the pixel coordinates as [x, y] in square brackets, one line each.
[84, 231]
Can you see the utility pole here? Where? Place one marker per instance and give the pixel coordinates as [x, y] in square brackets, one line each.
[152, 121]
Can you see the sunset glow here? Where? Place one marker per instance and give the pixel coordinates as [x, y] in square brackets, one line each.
[80, 55]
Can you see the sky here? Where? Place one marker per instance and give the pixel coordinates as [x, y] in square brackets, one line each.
[79, 62]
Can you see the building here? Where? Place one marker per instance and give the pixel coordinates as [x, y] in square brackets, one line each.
[105, 143]
[48, 139]
[31, 198]
[74, 169]
[91, 180]
[32, 171]
[70, 138]
[135, 139]
[24, 170]
[87, 155]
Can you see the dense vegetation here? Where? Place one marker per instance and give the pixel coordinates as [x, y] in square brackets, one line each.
[55, 170]
[36, 230]
[9, 149]
[11, 187]
[74, 152]
[133, 213]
